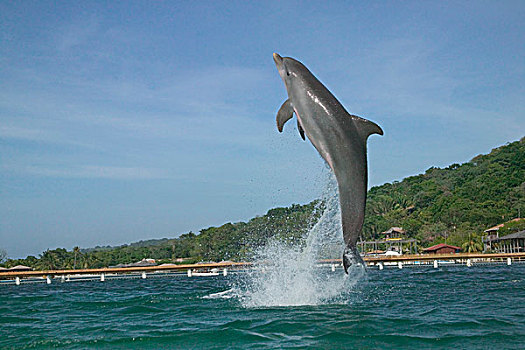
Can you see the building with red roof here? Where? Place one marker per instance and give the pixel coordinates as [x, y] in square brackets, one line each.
[496, 228]
[442, 248]
[492, 241]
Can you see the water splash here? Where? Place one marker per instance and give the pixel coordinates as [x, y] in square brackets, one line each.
[287, 274]
[227, 294]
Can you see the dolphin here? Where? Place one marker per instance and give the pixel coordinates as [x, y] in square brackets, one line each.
[339, 137]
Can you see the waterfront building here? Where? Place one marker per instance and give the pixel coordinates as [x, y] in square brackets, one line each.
[494, 230]
[492, 241]
[142, 263]
[513, 243]
[393, 240]
[21, 268]
[394, 233]
[375, 252]
[442, 248]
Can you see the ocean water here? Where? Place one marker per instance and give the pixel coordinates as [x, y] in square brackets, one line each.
[286, 301]
[420, 307]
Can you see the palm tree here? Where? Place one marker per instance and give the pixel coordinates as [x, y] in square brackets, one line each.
[473, 244]
[382, 205]
[76, 250]
[47, 260]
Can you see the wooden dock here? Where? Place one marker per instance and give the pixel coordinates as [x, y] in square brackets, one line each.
[426, 258]
[465, 258]
[122, 270]
[454, 256]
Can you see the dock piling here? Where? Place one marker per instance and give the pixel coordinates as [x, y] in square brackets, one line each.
[46, 276]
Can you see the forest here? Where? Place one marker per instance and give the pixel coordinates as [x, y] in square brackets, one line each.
[456, 204]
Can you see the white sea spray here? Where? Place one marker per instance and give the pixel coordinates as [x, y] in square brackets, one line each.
[287, 274]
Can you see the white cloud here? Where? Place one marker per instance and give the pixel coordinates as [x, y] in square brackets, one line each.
[193, 121]
[194, 105]
[96, 171]
[424, 83]
[22, 133]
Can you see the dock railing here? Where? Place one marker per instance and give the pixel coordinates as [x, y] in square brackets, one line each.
[380, 261]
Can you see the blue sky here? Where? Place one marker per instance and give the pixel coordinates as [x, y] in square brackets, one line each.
[122, 121]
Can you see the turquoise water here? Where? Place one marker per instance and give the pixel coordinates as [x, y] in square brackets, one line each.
[450, 307]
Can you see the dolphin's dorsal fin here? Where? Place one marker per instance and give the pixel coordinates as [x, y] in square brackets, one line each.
[301, 131]
[366, 127]
[284, 114]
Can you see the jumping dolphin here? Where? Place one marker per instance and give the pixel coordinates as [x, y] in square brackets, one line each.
[339, 137]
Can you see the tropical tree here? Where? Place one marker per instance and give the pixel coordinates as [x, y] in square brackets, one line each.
[76, 251]
[47, 260]
[473, 244]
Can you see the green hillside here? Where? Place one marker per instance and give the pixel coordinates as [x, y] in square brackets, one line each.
[227, 242]
[457, 202]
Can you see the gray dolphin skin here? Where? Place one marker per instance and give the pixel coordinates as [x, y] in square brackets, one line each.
[339, 137]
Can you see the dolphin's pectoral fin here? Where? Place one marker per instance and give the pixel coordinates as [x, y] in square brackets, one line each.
[285, 113]
[351, 257]
[301, 131]
[366, 127]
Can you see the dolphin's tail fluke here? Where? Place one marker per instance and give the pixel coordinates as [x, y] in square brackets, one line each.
[352, 257]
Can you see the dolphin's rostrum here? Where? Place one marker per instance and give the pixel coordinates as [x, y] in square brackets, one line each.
[338, 136]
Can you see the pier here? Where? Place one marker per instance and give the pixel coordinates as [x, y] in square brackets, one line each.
[101, 274]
